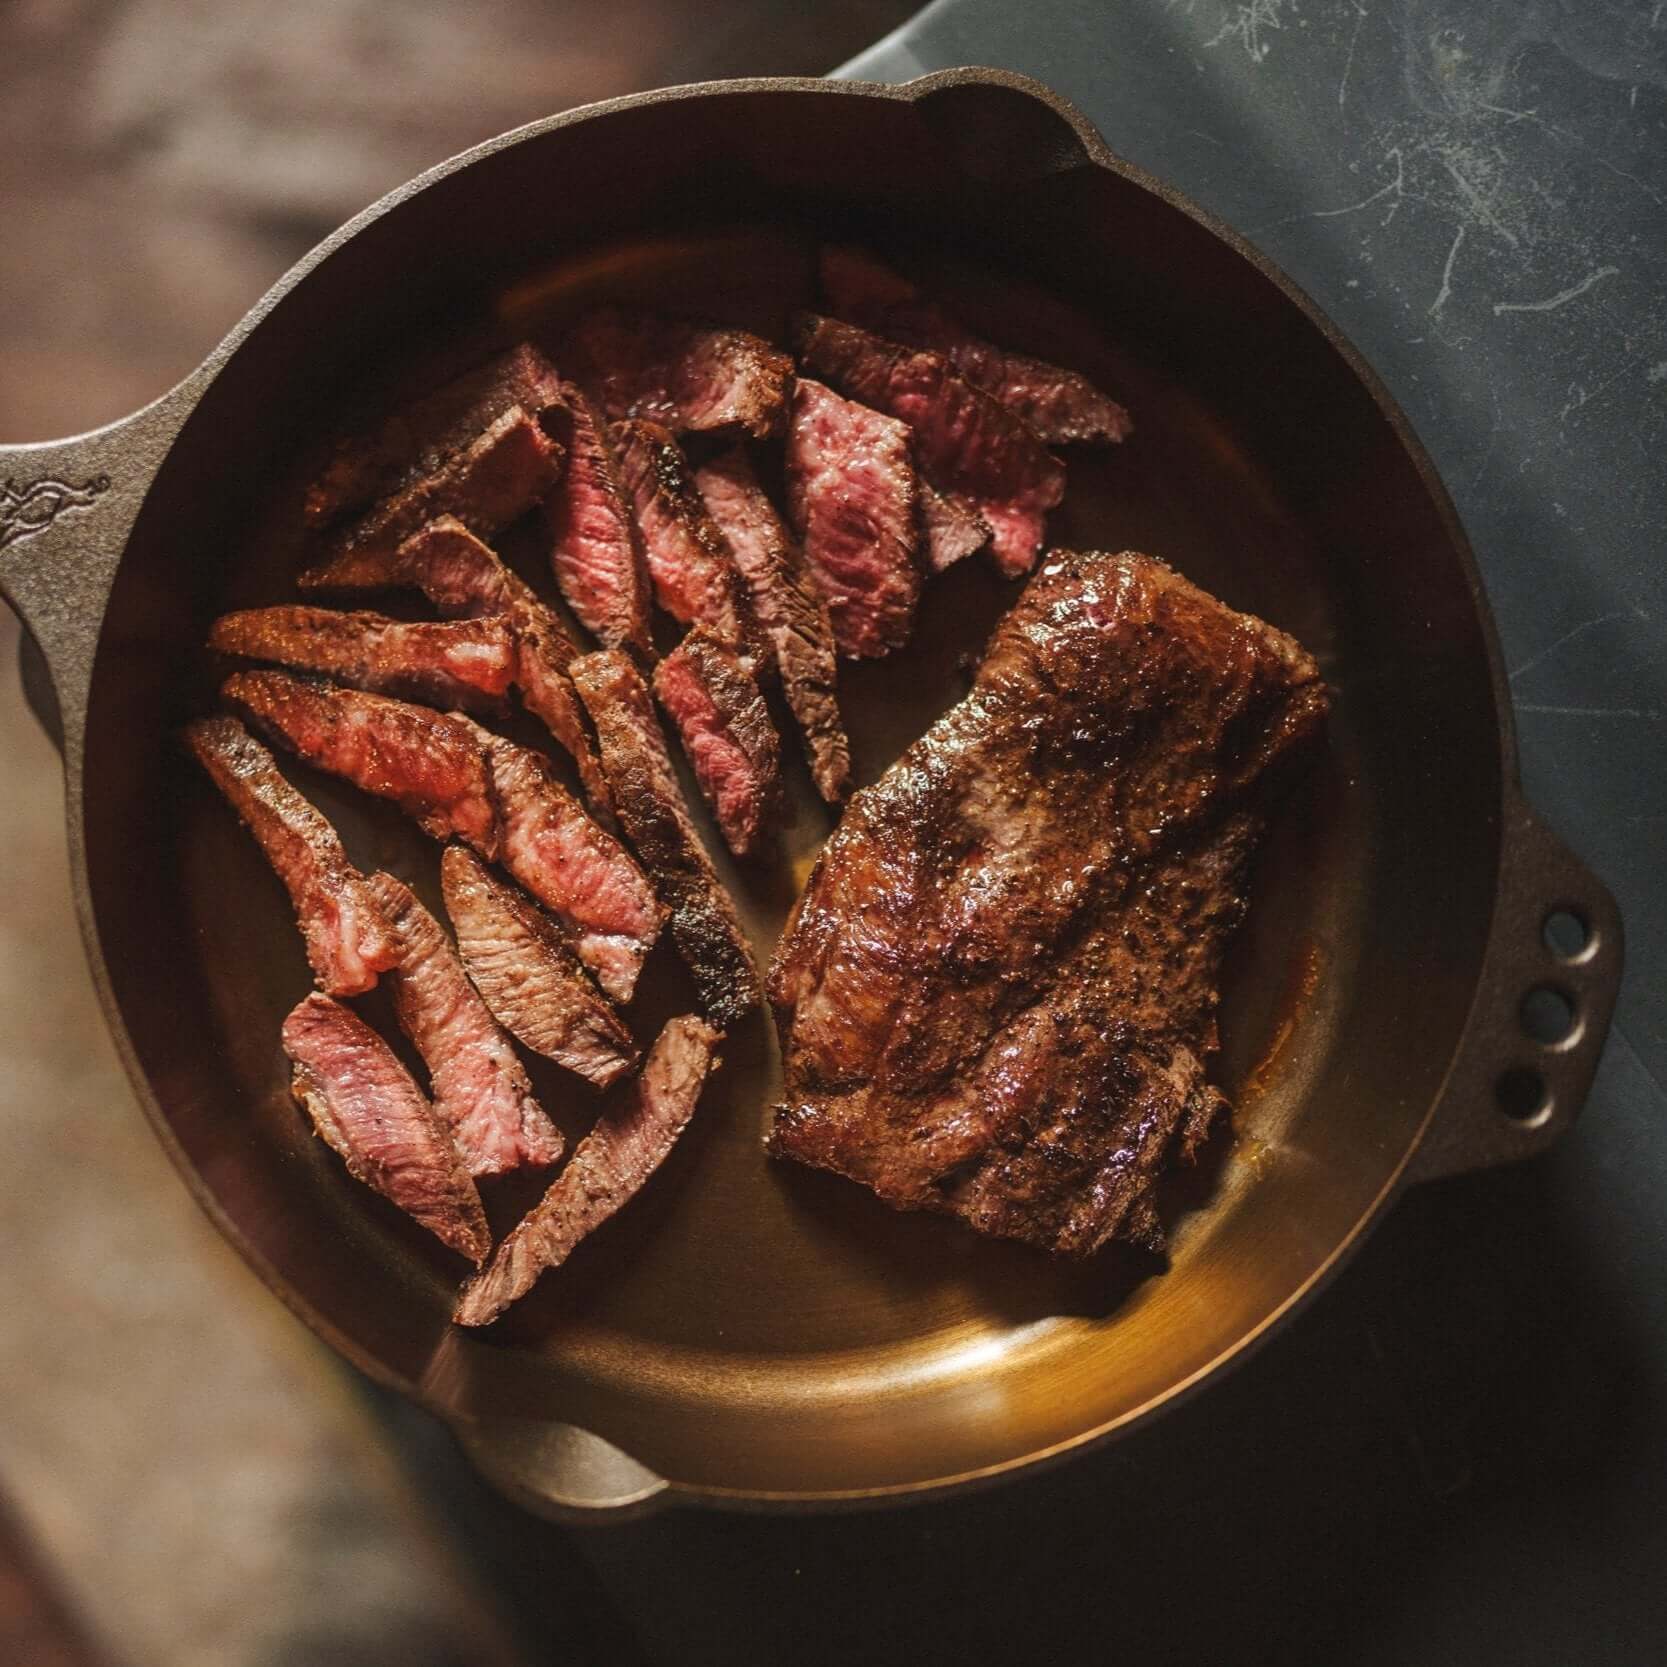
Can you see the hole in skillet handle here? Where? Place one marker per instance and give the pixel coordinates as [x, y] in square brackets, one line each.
[1001, 134]
[1545, 998]
[1522, 1094]
[1549, 1016]
[1567, 935]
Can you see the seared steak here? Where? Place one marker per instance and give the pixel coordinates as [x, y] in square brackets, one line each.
[571, 865]
[853, 495]
[695, 577]
[543, 652]
[609, 1168]
[997, 994]
[348, 941]
[704, 925]
[727, 736]
[965, 441]
[1061, 406]
[790, 608]
[953, 527]
[480, 1091]
[684, 375]
[451, 663]
[462, 576]
[454, 777]
[596, 551]
[531, 981]
[430, 764]
[418, 438]
[364, 1104]
[500, 475]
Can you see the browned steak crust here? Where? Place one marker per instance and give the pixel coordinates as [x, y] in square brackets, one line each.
[596, 552]
[608, 1169]
[364, 1104]
[690, 562]
[464, 577]
[418, 437]
[704, 925]
[854, 497]
[680, 373]
[966, 442]
[952, 527]
[997, 994]
[528, 975]
[480, 1091]
[454, 777]
[452, 662]
[790, 608]
[497, 477]
[727, 737]
[348, 940]
[1060, 406]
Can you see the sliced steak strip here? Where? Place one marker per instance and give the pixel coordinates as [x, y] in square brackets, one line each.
[480, 1091]
[418, 438]
[574, 867]
[501, 474]
[998, 990]
[364, 1104]
[529, 976]
[695, 577]
[609, 1167]
[456, 778]
[348, 941]
[1059, 406]
[448, 663]
[727, 736]
[462, 576]
[543, 652]
[853, 496]
[704, 925]
[431, 764]
[953, 527]
[681, 374]
[790, 608]
[596, 552]
[965, 440]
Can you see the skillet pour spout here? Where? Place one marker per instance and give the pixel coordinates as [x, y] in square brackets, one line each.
[746, 1334]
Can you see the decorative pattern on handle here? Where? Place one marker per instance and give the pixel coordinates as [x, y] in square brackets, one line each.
[33, 507]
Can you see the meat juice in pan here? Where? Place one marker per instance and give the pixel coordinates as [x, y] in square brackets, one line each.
[742, 1261]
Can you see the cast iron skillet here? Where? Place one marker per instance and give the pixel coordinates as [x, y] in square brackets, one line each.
[749, 1332]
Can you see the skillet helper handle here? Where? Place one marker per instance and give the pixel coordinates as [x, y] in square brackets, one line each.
[66, 510]
[560, 1471]
[1547, 995]
[1003, 129]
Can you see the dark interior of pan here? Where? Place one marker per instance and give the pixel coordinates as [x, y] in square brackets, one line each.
[746, 1326]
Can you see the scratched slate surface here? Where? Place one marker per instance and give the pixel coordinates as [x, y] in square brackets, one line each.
[1458, 1454]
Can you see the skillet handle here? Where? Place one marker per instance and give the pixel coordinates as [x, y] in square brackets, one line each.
[1537, 1027]
[560, 1471]
[1004, 129]
[66, 509]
